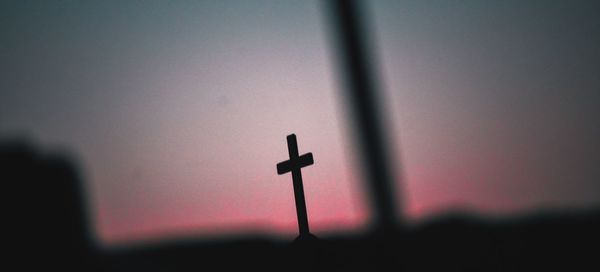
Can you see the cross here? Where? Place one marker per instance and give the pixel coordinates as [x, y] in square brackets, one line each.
[294, 164]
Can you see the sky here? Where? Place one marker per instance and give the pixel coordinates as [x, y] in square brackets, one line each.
[177, 111]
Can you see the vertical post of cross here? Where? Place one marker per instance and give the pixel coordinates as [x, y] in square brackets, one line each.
[294, 164]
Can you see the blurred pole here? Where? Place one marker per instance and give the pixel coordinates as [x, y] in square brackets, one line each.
[356, 69]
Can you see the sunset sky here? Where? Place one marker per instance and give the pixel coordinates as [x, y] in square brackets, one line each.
[177, 111]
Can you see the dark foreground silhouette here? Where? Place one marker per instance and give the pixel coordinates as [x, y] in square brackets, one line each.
[45, 227]
[44, 221]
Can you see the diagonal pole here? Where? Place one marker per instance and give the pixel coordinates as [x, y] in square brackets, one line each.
[356, 68]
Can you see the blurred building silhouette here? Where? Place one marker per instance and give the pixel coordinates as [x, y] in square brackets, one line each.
[45, 212]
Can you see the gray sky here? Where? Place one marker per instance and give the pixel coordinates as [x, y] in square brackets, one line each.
[179, 110]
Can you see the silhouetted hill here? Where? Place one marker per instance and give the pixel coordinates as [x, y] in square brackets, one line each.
[452, 243]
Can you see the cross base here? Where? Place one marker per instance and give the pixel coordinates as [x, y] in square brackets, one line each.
[303, 239]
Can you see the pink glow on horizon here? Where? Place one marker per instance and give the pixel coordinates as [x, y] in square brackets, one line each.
[327, 213]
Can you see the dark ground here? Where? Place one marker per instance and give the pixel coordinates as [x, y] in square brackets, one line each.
[45, 227]
[456, 243]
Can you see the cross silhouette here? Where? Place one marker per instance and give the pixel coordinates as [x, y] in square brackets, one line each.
[294, 164]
